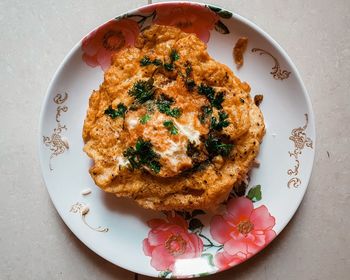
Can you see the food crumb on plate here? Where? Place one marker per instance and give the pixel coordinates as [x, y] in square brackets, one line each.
[85, 191]
[258, 99]
[238, 51]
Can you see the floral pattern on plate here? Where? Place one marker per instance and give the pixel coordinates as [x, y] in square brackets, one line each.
[57, 143]
[242, 230]
[194, 18]
[122, 32]
[238, 233]
[109, 38]
[169, 240]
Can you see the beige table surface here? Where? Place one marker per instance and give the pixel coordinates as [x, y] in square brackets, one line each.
[35, 36]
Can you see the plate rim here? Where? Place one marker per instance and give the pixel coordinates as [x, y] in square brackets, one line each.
[250, 24]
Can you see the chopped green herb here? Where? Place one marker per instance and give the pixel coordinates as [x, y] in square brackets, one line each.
[164, 103]
[145, 61]
[134, 107]
[207, 91]
[206, 112]
[155, 166]
[221, 123]
[169, 66]
[215, 146]
[119, 112]
[157, 62]
[180, 74]
[174, 55]
[143, 155]
[150, 106]
[171, 127]
[188, 69]
[197, 166]
[143, 90]
[131, 154]
[219, 98]
[190, 84]
[192, 151]
[214, 99]
[145, 118]
[175, 112]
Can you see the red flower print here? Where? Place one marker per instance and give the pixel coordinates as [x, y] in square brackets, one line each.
[224, 260]
[242, 230]
[111, 37]
[169, 240]
[190, 18]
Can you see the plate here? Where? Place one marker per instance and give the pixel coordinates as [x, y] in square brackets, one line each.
[183, 244]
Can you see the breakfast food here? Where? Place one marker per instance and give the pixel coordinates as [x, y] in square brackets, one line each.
[239, 49]
[170, 127]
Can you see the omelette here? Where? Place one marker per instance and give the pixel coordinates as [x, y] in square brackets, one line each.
[170, 127]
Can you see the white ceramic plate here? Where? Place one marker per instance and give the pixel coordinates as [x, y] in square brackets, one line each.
[190, 244]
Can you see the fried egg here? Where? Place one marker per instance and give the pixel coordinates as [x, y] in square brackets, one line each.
[170, 127]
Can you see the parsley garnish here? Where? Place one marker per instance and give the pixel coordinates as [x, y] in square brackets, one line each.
[188, 69]
[119, 112]
[145, 118]
[174, 55]
[189, 82]
[150, 106]
[207, 91]
[169, 66]
[143, 155]
[197, 166]
[171, 127]
[155, 166]
[206, 112]
[221, 123]
[219, 98]
[143, 90]
[157, 62]
[145, 61]
[176, 112]
[192, 151]
[215, 99]
[164, 103]
[215, 146]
